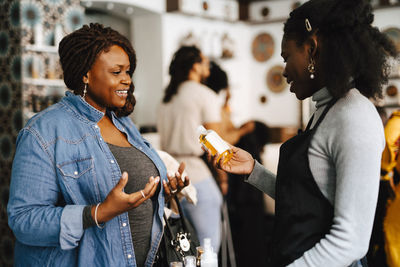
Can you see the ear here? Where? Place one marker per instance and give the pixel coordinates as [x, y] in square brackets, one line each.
[196, 67]
[312, 44]
[85, 77]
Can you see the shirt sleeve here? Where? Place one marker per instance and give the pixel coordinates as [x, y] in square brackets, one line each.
[34, 214]
[262, 179]
[355, 150]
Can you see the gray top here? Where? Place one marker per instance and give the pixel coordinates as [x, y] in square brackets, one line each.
[345, 157]
[139, 168]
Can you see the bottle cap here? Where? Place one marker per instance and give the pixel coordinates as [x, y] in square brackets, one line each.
[201, 130]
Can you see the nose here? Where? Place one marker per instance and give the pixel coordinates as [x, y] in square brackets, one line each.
[284, 74]
[126, 79]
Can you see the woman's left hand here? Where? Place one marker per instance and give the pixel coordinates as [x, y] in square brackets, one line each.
[175, 183]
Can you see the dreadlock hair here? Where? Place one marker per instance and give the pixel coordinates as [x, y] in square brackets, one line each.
[352, 49]
[181, 64]
[217, 80]
[79, 50]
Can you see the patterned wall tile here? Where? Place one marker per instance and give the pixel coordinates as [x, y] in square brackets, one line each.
[18, 19]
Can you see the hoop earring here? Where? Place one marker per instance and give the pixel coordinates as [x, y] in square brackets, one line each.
[311, 68]
[85, 90]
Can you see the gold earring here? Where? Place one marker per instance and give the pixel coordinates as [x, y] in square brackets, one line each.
[85, 90]
[311, 68]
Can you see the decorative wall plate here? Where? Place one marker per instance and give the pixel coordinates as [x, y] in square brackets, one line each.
[394, 35]
[392, 90]
[263, 47]
[275, 80]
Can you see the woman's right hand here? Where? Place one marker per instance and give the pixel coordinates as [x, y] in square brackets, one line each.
[118, 202]
[240, 163]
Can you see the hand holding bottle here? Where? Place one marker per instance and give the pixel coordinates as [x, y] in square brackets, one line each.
[241, 161]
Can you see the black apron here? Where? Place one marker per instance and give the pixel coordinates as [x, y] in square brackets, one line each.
[303, 215]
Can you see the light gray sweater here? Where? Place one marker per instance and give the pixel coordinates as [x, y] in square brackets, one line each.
[345, 157]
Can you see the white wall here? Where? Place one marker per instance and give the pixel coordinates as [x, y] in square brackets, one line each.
[147, 41]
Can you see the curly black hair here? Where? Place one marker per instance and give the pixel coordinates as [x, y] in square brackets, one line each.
[218, 79]
[79, 50]
[181, 64]
[351, 47]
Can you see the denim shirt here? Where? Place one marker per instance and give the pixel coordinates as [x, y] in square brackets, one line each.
[61, 165]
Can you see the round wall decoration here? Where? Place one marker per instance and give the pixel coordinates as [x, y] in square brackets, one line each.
[391, 90]
[263, 99]
[275, 80]
[263, 47]
[265, 12]
[394, 35]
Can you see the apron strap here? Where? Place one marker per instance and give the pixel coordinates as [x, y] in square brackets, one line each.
[327, 108]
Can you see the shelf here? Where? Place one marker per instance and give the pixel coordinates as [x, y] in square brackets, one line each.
[377, 7]
[44, 82]
[42, 48]
[391, 106]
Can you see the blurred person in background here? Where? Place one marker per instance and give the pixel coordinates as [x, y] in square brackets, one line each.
[218, 82]
[188, 103]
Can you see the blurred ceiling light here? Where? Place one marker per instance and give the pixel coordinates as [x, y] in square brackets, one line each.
[129, 10]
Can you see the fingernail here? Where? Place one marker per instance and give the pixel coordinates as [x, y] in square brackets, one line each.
[169, 174]
[177, 174]
[151, 179]
[124, 175]
[157, 179]
[164, 182]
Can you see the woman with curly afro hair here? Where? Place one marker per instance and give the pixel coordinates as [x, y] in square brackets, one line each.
[328, 175]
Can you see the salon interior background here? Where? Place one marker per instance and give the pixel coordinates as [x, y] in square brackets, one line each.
[243, 36]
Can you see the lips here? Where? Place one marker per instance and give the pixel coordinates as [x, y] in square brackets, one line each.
[290, 82]
[122, 93]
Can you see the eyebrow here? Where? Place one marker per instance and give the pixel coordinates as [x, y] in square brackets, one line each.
[121, 66]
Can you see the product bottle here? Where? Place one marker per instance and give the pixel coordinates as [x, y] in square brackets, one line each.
[190, 261]
[199, 251]
[210, 140]
[209, 257]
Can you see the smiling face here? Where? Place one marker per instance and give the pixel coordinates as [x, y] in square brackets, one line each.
[296, 73]
[108, 80]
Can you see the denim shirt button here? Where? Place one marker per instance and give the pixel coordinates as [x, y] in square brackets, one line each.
[75, 172]
[112, 161]
[96, 126]
[124, 224]
[129, 256]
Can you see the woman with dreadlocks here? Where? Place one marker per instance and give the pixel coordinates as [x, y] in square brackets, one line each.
[72, 202]
[328, 175]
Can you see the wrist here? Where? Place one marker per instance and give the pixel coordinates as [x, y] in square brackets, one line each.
[252, 164]
[101, 214]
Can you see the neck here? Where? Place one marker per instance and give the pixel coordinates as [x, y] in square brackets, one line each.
[194, 76]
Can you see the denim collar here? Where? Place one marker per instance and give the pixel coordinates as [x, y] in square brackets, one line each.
[81, 107]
